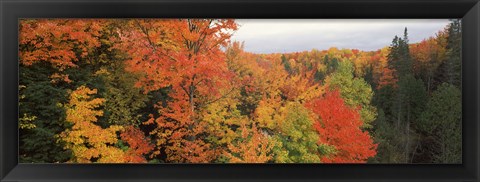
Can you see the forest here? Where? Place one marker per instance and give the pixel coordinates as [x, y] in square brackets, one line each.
[180, 91]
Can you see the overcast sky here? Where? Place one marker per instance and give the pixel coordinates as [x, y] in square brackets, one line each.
[274, 35]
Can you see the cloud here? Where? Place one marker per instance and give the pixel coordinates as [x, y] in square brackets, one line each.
[290, 35]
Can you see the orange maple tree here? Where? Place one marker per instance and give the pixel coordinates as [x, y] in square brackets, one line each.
[185, 56]
[339, 126]
[57, 41]
[139, 145]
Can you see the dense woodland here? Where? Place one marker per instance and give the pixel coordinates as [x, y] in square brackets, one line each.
[179, 91]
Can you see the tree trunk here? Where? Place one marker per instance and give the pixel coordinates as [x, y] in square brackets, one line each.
[407, 144]
[399, 114]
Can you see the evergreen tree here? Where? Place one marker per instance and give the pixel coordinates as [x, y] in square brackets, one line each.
[41, 99]
[450, 70]
[409, 98]
[442, 120]
[286, 64]
[399, 58]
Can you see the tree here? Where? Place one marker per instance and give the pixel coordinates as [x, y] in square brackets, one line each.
[355, 91]
[252, 146]
[185, 56]
[57, 41]
[245, 70]
[124, 101]
[450, 70]
[442, 120]
[387, 78]
[299, 138]
[340, 126]
[47, 48]
[428, 55]
[410, 100]
[388, 140]
[286, 64]
[88, 141]
[138, 145]
[399, 58]
[409, 96]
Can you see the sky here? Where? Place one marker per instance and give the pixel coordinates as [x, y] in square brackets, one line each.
[292, 35]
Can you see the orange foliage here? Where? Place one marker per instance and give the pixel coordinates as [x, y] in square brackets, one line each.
[339, 126]
[89, 142]
[387, 77]
[428, 54]
[254, 146]
[56, 40]
[139, 145]
[56, 78]
[301, 87]
[184, 55]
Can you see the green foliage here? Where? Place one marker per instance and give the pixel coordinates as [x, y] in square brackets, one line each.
[41, 116]
[411, 121]
[299, 139]
[443, 120]
[411, 98]
[355, 91]
[407, 101]
[450, 70]
[332, 64]
[286, 64]
[387, 137]
[399, 58]
[123, 100]
[410, 103]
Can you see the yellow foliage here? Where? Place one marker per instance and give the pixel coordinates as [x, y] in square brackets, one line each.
[268, 113]
[253, 147]
[85, 139]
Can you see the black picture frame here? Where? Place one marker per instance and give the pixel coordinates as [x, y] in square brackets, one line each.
[11, 11]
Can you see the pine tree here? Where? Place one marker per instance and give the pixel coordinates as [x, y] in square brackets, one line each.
[454, 53]
[442, 120]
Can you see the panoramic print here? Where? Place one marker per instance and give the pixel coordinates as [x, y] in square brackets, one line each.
[240, 91]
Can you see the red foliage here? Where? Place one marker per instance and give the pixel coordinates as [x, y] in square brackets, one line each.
[387, 77]
[339, 126]
[186, 56]
[139, 145]
[57, 40]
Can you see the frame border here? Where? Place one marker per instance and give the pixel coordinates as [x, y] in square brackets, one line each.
[11, 11]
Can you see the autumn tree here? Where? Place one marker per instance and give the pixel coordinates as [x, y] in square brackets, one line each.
[177, 91]
[246, 70]
[47, 48]
[355, 91]
[299, 138]
[88, 141]
[57, 41]
[253, 146]
[185, 56]
[138, 145]
[339, 125]
[428, 55]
